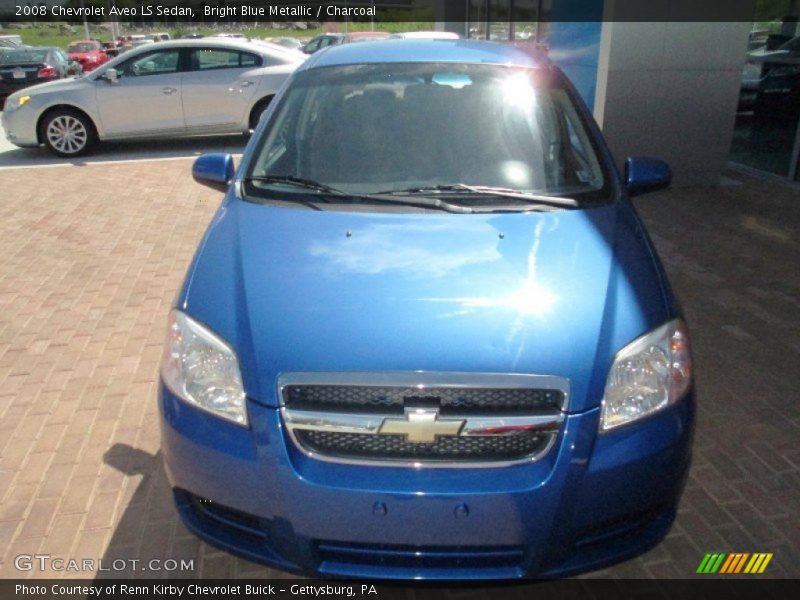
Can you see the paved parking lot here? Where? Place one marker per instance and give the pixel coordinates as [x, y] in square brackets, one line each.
[13, 157]
[91, 257]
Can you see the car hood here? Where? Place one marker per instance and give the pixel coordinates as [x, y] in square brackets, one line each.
[59, 86]
[554, 293]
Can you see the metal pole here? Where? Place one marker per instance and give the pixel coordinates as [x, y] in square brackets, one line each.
[112, 24]
[85, 23]
[512, 30]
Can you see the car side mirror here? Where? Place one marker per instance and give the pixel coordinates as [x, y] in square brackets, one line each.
[215, 170]
[111, 75]
[643, 174]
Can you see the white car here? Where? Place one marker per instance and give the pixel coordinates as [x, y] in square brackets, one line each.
[425, 35]
[166, 89]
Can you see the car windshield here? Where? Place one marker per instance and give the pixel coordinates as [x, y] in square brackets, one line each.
[388, 128]
[23, 56]
[83, 47]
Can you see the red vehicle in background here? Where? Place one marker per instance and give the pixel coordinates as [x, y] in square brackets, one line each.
[90, 53]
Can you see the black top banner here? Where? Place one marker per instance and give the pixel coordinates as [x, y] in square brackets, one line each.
[314, 12]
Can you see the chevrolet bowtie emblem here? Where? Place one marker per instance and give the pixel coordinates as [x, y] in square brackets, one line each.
[421, 425]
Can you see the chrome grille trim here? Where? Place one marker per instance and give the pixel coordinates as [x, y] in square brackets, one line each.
[371, 423]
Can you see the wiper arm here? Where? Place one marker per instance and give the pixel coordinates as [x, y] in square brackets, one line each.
[326, 189]
[420, 202]
[485, 189]
[302, 182]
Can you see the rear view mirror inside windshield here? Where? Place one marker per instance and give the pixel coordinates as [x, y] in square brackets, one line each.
[456, 80]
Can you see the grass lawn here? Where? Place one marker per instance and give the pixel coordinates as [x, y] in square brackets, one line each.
[49, 35]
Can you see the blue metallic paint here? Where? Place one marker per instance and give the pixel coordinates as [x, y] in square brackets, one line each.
[291, 292]
[644, 174]
[559, 294]
[575, 48]
[408, 51]
[545, 507]
[214, 169]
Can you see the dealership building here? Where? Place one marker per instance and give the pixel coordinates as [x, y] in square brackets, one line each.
[663, 78]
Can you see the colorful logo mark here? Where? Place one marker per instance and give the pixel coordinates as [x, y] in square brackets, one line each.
[734, 562]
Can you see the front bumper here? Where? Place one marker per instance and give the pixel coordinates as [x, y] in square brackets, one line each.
[9, 87]
[19, 125]
[593, 500]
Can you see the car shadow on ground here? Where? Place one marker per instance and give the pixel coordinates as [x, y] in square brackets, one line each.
[149, 541]
[105, 152]
[149, 531]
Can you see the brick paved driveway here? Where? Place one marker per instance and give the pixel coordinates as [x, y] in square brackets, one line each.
[90, 259]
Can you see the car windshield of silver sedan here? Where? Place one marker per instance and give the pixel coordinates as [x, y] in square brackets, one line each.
[434, 135]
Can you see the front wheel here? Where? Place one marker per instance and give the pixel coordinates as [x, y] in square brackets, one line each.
[68, 133]
[258, 111]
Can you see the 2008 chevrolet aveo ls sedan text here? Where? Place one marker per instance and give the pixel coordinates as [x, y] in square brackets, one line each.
[426, 334]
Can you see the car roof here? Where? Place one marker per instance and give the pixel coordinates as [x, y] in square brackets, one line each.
[429, 35]
[241, 43]
[367, 34]
[34, 48]
[234, 43]
[422, 50]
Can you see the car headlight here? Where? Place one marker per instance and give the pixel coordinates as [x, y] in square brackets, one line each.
[647, 375]
[199, 367]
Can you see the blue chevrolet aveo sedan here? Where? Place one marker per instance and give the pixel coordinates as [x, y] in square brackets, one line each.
[426, 334]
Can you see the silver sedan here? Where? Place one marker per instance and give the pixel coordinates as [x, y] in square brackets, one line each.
[168, 89]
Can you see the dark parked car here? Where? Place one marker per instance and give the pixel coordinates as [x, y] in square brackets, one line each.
[23, 67]
[10, 41]
[771, 81]
[7, 44]
[334, 39]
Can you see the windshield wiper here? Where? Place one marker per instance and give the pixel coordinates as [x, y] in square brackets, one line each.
[419, 196]
[302, 182]
[326, 189]
[484, 190]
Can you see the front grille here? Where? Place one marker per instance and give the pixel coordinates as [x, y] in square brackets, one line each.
[400, 556]
[446, 447]
[449, 400]
[423, 418]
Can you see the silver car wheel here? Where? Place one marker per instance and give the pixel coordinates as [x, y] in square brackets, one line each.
[67, 134]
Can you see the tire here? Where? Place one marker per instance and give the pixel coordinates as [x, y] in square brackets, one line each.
[258, 111]
[68, 133]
